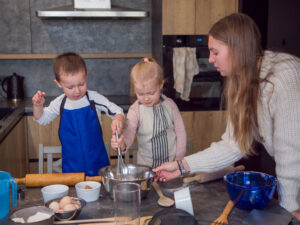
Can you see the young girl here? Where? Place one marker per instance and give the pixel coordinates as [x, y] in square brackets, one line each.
[154, 118]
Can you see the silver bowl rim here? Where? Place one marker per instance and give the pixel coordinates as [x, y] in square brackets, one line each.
[104, 175]
[32, 207]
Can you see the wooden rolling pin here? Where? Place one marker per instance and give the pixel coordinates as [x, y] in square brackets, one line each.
[40, 180]
[205, 177]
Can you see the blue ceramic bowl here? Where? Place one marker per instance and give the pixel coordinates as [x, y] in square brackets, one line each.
[250, 190]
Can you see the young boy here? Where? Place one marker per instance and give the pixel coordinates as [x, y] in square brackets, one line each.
[80, 110]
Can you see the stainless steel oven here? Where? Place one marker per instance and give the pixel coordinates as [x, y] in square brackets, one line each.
[207, 85]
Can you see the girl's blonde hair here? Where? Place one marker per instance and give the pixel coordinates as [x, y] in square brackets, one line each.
[147, 70]
[242, 35]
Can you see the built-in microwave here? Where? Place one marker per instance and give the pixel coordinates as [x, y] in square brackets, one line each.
[207, 85]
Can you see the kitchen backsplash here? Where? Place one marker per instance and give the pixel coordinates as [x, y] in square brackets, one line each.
[108, 76]
[24, 33]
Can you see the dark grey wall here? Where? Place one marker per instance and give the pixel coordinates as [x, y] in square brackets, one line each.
[284, 26]
[21, 32]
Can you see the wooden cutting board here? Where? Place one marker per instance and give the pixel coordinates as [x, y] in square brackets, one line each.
[205, 177]
[103, 221]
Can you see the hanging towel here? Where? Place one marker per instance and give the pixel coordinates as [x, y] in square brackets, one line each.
[185, 67]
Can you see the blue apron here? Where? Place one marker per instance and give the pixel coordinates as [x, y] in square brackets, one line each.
[80, 134]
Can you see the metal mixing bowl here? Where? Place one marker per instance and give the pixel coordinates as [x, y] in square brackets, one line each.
[25, 213]
[139, 174]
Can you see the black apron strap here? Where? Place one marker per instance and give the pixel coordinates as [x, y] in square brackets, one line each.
[62, 104]
[93, 106]
[61, 109]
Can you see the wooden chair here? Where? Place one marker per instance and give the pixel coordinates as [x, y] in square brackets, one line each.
[132, 151]
[55, 165]
[51, 165]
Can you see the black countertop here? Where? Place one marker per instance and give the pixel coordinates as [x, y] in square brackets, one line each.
[209, 200]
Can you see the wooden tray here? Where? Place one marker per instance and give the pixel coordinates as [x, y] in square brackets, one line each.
[103, 221]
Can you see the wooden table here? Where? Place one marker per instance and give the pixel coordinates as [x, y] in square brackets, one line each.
[209, 200]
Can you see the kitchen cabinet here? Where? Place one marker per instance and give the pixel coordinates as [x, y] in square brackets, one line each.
[185, 17]
[209, 12]
[190, 17]
[204, 127]
[13, 151]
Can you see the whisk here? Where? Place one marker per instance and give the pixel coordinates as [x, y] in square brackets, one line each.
[122, 169]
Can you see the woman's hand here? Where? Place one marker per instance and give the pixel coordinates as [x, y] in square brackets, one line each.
[167, 171]
[117, 123]
[296, 214]
[118, 144]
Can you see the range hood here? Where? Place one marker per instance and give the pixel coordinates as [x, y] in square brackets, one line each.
[91, 9]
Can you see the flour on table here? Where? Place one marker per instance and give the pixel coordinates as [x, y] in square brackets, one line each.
[39, 216]
[18, 220]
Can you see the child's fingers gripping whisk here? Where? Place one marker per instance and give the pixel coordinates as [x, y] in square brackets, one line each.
[118, 143]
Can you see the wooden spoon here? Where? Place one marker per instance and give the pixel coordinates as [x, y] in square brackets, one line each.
[163, 200]
[222, 219]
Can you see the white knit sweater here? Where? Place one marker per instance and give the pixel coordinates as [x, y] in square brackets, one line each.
[279, 123]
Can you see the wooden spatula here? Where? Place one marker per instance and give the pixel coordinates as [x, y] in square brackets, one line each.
[163, 200]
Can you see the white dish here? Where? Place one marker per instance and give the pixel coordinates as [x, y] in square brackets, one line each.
[183, 200]
[54, 191]
[89, 195]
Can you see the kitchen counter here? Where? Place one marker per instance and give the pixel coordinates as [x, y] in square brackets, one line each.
[209, 200]
[24, 107]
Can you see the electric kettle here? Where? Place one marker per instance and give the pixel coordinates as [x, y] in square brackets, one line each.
[13, 87]
[6, 181]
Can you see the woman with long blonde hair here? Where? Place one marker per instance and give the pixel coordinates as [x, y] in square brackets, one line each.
[262, 96]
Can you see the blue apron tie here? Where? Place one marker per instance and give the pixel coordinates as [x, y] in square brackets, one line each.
[83, 148]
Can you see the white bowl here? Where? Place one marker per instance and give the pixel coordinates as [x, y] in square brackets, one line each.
[89, 195]
[54, 191]
[183, 200]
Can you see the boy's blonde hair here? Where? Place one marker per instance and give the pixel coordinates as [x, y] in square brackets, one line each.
[68, 63]
[147, 70]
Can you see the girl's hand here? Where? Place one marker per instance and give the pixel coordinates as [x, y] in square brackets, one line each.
[118, 144]
[117, 124]
[38, 99]
[167, 171]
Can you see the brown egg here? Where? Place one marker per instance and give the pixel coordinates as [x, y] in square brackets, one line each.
[54, 205]
[64, 201]
[69, 207]
[76, 204]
